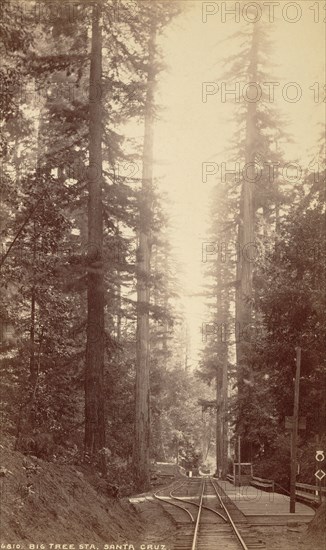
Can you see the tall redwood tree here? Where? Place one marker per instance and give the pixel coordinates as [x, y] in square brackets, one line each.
[94, 393]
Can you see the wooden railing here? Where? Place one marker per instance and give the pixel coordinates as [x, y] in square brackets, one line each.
[304, 491]
[310, 492]
[261, 483]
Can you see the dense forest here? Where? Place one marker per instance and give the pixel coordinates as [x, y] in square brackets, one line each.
[94, 339]
[265, 263]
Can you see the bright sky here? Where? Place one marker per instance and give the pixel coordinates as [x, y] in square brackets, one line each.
[191, 132]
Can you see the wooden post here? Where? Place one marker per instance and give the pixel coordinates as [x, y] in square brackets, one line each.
[218, 424]
[295, 431]
[318, 481]
[239, 460]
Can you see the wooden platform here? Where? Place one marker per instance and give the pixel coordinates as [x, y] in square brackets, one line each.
[265, 508]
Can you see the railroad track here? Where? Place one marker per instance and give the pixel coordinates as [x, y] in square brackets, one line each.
[203, 519]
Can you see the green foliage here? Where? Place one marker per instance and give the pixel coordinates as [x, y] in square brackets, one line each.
[290, 300]
[46, 257]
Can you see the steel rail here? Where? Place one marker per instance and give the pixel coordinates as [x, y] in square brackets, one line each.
[196, 503]
[234, 527]
[194, 540]
[164, 499]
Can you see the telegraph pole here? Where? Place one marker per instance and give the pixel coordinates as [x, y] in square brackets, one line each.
[295, 431]
[239, 460]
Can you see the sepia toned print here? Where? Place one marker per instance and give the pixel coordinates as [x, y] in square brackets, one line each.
[163, 275]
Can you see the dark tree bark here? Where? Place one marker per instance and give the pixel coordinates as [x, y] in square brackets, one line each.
[94, 393]
[246, 236]
[142, 421]
[222, 386]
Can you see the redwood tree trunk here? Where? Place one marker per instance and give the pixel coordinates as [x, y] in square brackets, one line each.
[221, 413]
[142, 421]
[223, 314]
[219, 442]
[246, 235]
[94, 393]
